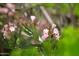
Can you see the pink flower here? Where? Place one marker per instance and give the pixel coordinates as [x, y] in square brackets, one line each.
[4, 10]
[12, 28]
[33, 18]
[41, 39]
[45, 31]
[56, 33]
[8, 28]
[45, 36]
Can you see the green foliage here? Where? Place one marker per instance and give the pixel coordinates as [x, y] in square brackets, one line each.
[76, 9]
[49, 46]
[31, 51]
[49, 5]
[63, 8]
[16, 52]
[68, 45]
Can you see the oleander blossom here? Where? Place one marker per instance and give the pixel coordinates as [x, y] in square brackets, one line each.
[44, 35]
[32, 18]
[8, 28]
[45, 31]
[12, 27]
[56, 33]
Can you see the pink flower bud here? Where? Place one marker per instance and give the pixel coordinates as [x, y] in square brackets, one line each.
[33, 18]
[4, 10]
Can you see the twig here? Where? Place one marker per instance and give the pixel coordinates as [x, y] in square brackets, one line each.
[48, 18]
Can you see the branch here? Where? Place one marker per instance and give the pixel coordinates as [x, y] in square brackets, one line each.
[48, 18]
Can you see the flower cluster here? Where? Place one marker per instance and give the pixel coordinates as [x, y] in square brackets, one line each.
[8, 28]
[45, 35]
